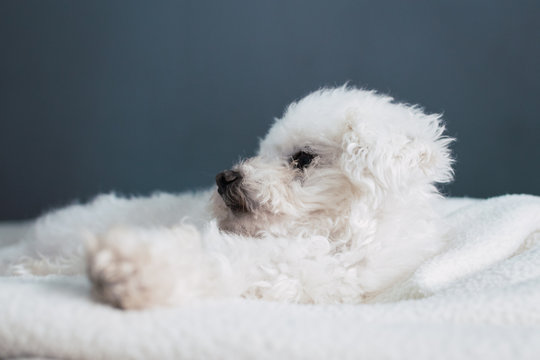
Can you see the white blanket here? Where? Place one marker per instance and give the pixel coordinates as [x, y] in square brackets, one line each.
[480, 299]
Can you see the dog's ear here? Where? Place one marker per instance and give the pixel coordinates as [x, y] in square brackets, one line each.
[392, 153]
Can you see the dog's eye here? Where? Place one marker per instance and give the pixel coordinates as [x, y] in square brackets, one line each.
[302, 159]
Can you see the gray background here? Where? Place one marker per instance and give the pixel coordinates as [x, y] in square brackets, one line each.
[141, 96]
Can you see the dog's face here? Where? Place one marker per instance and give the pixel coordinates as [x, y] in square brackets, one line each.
[333, 155]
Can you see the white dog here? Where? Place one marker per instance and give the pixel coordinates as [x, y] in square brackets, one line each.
[336, 207]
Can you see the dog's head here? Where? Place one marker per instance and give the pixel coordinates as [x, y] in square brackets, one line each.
[332, 153]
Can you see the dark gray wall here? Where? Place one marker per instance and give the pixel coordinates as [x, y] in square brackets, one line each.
[138, 96]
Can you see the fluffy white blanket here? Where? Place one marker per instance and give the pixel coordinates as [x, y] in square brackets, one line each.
[480, 299]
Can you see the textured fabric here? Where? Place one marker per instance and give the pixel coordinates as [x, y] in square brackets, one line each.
[479, 299]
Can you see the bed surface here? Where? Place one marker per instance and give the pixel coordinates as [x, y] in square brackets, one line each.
[480, 299]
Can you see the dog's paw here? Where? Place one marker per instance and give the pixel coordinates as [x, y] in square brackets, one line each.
[133, 268]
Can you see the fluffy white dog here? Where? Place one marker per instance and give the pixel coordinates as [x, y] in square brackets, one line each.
[336, 207]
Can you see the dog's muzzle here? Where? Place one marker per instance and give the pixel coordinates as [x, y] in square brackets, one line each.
[229, 188]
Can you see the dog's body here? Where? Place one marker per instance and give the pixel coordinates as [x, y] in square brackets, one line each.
[336, 207]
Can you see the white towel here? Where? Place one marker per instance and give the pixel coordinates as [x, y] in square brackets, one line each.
[479, 299]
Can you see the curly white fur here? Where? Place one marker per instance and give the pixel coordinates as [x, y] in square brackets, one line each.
[358, 218]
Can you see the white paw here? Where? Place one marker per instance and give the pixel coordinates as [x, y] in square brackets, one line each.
[134, 268]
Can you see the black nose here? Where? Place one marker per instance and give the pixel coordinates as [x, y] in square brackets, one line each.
[226, 178]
